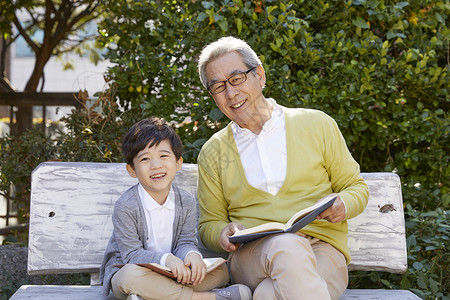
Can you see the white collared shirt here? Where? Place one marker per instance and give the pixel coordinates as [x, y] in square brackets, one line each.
[160, 220]
[264, 155]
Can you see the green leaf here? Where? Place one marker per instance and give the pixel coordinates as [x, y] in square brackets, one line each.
[401, 5]
[422, 281]
[239, 25]
[271, 8]
[360, 22]
[386, 283]
[405, 284]
[208, 5]
[215, 114]
[223, 24]
[439, 18]
[417, 265]
[199, 143]
[279, 42]
[434, 285]
[274, 47]
[411, 241]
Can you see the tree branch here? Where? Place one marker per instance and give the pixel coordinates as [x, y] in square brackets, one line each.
[70, 26]
[24, 34]
[64, 13]
[49, 23]
[31, 15]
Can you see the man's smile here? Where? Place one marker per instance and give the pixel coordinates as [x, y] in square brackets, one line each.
[239, 104]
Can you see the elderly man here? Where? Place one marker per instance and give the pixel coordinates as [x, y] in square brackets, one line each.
[267, 164]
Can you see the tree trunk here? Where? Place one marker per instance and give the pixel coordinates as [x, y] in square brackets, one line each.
[24, 115]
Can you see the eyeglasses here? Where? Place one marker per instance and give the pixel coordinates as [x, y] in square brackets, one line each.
[234, 80]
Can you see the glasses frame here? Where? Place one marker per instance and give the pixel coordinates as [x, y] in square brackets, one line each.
[228, 80]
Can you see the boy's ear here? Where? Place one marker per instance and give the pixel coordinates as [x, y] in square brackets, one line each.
[179, 164]
[131, 171]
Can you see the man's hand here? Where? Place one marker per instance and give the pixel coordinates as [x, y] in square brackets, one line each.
[198, 267]
[181, 272]
[335, 213]
[229, 230]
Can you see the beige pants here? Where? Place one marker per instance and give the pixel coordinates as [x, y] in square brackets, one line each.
[290, 266]
[133, 279]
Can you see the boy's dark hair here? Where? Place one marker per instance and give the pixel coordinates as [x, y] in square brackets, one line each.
[151, 130]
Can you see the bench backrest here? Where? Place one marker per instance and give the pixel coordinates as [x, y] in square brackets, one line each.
[72, 204]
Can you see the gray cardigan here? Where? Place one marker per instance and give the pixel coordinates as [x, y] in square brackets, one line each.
[128, 243]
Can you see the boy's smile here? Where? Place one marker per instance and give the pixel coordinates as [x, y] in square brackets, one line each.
[155, 168]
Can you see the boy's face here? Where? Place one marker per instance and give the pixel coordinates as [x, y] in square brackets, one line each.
[155, 168]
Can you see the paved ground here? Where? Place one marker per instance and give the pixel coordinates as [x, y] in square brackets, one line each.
[13, 272]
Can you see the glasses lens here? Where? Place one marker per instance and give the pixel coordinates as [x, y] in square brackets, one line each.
[237, 79]
[217, 87]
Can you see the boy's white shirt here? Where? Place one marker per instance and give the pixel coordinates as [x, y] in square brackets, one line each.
[160, 220]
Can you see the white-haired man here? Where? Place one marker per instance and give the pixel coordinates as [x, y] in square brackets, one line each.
[268, 163]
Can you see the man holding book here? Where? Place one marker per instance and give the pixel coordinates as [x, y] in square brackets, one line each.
[267, 164]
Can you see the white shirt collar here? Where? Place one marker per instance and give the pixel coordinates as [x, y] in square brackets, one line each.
[150, 203]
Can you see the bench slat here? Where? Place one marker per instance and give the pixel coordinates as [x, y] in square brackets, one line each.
[66, 292]
[376, 294]
[72, 204]
[46, 292]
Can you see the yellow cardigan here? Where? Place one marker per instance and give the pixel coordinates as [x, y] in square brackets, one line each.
[318, 164]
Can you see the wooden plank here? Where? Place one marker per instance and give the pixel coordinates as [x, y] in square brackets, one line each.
[49, 99]
[66, 292]
[72, 203]
[377, 240]
[46, 292]
[372, 294]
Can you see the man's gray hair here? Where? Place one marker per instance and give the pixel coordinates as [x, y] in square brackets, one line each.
[221, 47]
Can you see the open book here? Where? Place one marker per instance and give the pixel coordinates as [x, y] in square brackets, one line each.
[211, 264]
[299, 220]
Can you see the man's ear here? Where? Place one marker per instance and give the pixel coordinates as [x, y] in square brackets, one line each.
[179, 164]
[131, 171]
[261, 75]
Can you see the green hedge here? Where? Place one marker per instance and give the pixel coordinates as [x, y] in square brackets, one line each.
[380, 68]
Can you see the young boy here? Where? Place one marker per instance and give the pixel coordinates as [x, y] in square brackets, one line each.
[155, 222]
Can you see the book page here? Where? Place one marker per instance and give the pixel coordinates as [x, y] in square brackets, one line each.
[213, 262]
[301, 213]
[272, 226]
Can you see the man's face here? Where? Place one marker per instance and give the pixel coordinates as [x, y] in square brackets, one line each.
[239, 103]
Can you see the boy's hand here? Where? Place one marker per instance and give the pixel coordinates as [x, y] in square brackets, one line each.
[181, 272]
[198, 267]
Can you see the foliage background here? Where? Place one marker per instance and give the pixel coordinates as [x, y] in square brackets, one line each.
[380, 68]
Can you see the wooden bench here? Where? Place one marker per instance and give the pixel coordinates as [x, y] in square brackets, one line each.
[70, 225]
